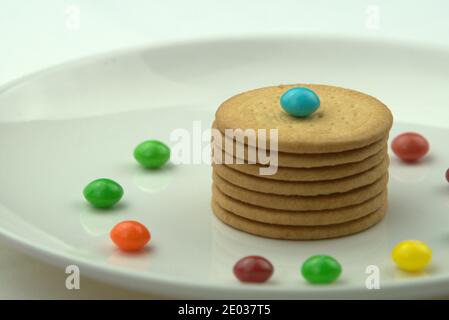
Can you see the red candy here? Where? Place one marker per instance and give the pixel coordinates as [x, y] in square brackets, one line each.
[253, 269]
[130, 235]
[410, 146]
[447, 175]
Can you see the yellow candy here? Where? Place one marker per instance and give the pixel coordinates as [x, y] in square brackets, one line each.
[411, 255]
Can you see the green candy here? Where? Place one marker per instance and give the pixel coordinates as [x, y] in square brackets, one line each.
[103, 193]
[321, 269]
[152, 154]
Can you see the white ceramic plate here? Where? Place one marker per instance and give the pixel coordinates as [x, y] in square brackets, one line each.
[63, 127]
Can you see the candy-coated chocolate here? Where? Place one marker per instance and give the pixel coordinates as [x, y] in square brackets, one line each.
[300, 102]
[253, 269]
[103, 193]
[321, 269]
[152, 154]
[130, 235]
[447, 175]
[410, 146]
[411, 255]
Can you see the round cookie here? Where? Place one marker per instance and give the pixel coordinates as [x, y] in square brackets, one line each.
[313, 174]
[298, 218]
[297, 188]
[346, 119]
[300, 203]
[298, 232]
[311, 160]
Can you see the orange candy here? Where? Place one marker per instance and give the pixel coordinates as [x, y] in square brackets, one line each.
[130, 235]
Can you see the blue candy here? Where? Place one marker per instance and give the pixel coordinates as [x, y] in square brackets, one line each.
[300, 102]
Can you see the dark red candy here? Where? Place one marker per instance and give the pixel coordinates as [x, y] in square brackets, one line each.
[447, 175]
[253, 269]
[410, 146]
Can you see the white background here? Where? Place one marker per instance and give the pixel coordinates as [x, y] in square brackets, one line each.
[36, 34]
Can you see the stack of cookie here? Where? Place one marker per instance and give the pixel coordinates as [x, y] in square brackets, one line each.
[330, 169]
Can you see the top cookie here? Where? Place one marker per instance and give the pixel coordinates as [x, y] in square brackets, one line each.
[346, 119]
